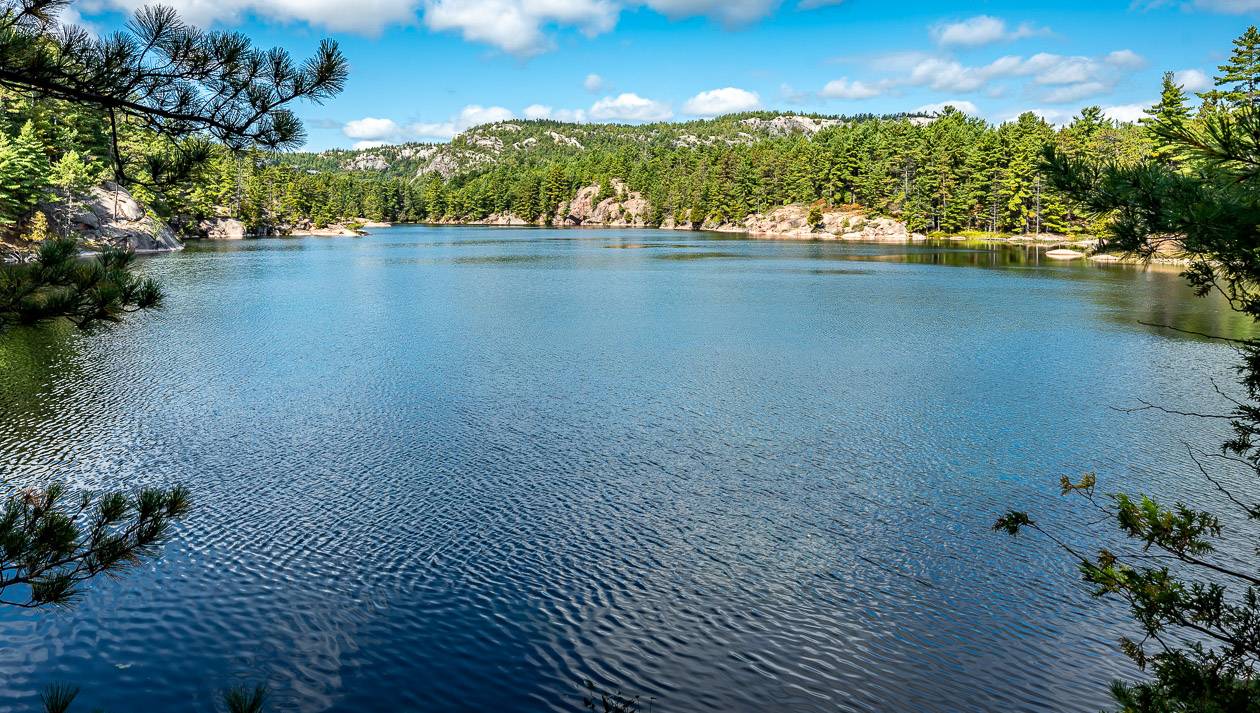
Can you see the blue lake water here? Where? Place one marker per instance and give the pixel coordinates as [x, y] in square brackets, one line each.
[451, 469]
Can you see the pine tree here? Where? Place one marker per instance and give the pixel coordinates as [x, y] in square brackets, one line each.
[1171, 110]
[1238, 83]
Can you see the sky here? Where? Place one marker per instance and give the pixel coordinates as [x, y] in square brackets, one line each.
[423, 70]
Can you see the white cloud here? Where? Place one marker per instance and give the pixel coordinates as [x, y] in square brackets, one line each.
[593, 83]
[1070, 77]
[729, 12]
[540, 111]
[1228, 7]
[727, 100]
[371, 128]
[630, 107]
[537, 111]
[949, 75]
[368, 16]
[1058, 117]
[1126, 59]
[981, 30]
[1126, 113]
[962, 105]
[372, 131]
[359, 145]
[1192, 80]
[1232, 7]
[515, 26]
[518, 26]
[844, 89]
[1069, 93]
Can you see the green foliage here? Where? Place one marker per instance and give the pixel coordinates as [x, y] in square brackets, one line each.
[244, 699]
[23, 174]
[815, 217]
[1238, 83]
[50, 542]
[58, 284]
[1196, 606]
[952, 173]
[57, 697]
[175, 80]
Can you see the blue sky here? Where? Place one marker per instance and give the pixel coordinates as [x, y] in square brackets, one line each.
[425, 69]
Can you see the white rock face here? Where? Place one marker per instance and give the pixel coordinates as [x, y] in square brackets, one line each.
[625, 208]
[222, 229]
[785, 125]
[366, 162]
[108, 215]
[563, 140]
[791, 222]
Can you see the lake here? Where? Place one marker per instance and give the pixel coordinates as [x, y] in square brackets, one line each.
[464, 468]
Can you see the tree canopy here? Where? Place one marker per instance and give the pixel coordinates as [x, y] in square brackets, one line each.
[1197, 607]
[177, 80]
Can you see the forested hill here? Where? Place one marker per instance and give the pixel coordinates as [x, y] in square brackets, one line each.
[944, 173]
[544, 140]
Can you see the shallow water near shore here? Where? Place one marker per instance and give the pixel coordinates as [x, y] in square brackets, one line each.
[463, 468]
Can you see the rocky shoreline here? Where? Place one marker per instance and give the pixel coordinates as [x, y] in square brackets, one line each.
[108, 215]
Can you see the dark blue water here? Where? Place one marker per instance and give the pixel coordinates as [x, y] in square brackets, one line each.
[463, 468]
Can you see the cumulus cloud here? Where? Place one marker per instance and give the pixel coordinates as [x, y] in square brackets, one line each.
[844, 89]
[1227, 7]
[537, 111]
[1125, 59]
[368, 16]
[372, 131]
[981, 30]
[1062, 117]
[1192, 80]
[1064, 78]
[727, 100]
[962, 105]
[630, 107]
[729, 12]
[1232, 7]
[540, 111]
[515, 26]
[371, 128]
[1058, 117]
[1074, 92]
[518, 26]
[1126, 113]
[593, 83]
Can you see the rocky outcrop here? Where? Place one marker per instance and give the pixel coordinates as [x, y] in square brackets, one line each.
[366, 162]
[222, 229]
[791, 222]
[790, 124]
[562, 140]
[109, 216]
[625, 208]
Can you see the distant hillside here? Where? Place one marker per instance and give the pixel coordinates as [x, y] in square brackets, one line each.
[934, 174]
[529, 141]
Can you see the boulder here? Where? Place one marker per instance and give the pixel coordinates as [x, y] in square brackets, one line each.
[108, 215]
[624, 208]
[222, 229]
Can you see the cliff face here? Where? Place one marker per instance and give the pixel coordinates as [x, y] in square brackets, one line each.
[625, 208]
[108, 215]
[792, 221]
[629, 209]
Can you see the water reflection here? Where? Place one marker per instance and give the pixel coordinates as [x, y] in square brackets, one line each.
[461, 468]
